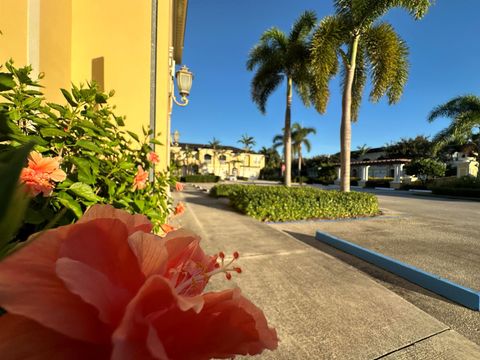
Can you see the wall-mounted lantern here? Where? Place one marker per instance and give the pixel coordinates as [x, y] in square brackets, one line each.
[184, 79]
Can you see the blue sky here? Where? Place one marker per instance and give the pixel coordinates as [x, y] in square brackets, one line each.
[444, 57]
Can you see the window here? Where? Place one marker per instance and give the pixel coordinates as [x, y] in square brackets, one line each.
[207, 158]
[222, 159]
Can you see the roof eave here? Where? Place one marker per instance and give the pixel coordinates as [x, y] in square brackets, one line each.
[179, 25]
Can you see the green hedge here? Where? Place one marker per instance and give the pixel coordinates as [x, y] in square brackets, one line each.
[373, 183]
[464, 186]
[200, 178]
[279, 203]
[225, 190]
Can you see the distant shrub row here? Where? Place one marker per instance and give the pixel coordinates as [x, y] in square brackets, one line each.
[465, 186]
[378, 182]
[200, 178]
[278, 203]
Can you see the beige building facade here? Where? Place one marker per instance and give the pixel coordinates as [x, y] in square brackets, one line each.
[225, 161]
[131, 47]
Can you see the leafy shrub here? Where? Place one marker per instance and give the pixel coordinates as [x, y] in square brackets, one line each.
[374, 182]
[100, 158]
[464, 186]
[279, 203]
[425, 169]
[243, 178]
[273, 174]
[225, 190]
[354, 181]
[200, 178]
[418, 185]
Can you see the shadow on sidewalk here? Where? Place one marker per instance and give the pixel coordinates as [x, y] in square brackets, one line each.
[373, 271]
[202, 199]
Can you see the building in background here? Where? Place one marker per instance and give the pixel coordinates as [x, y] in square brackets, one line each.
[225, 161]
[129, 46]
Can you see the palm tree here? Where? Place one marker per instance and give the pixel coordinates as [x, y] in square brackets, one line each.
[299, 139]
[362, 150]
[214, 143]
[272, 158]
[279, 57]
[364, 45]
[247, 141]
[465, 114]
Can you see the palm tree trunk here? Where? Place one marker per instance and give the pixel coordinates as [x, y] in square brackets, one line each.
[288, 135]
[346, 126]
[300, 164]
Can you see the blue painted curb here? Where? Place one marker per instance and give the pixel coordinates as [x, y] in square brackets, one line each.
[454, 292]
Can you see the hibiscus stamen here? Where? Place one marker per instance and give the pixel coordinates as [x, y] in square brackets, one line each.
[204, 276]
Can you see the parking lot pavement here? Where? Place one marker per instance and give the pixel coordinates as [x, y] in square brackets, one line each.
[441, 236]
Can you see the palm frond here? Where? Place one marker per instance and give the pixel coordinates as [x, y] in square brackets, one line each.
[326, 41]
[366, 12]
[303, 26]
[456, 106]
[259, 54]
[266, 80]
[387, 54]
[276, 38]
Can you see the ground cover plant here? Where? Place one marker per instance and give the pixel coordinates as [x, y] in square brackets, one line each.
[81, 154]
[280, 203]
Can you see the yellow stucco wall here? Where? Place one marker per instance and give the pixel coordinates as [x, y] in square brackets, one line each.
[72, 33]
[118, 31]
[13, 25]
[55, 47]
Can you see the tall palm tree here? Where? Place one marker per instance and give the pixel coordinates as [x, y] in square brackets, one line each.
[279, 57]
[465, 114]
[247, 141]
[214, 143]
[299, 139]
[364, 45]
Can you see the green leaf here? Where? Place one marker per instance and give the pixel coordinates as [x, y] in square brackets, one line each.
[133, 135]
[85, 191]
[89, 146]
[50, 132]
[84, 170]
[119, 121]
[11, 164]
[156, 142]
[101, 98]
[34, 217]
[6, 82]
[68, 97]
[70, 203]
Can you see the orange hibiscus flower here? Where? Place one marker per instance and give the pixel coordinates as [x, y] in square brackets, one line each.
[179, 209]
[106, 288]
[153, 158]
[40, 174]
[179, 186]
[140, 179]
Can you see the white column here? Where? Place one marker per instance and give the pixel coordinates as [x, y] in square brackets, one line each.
[364, 173]
[339, 175]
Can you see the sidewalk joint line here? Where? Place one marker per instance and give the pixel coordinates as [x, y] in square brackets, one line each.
[412, 344]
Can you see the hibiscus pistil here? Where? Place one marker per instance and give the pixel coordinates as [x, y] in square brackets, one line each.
[203, 276]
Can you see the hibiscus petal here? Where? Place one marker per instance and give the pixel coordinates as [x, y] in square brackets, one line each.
[29, 273]
[132, 222]
[95, 289]
[58, 175]
[228, 324]
[21, 338]
[134, 336]
[102, 245]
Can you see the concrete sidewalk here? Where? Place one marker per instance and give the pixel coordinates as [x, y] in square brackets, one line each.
[321, 307]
